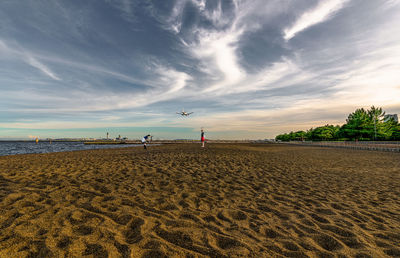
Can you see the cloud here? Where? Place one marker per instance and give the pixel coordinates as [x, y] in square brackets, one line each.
[126, 7]
[43, 68]
[110, 118]
[273, 121]
[282, 73]
[217, 51]
[225, 60]
[19, 53]
[6, 51]
[3, 46]
[201, 4]
[216, 48]
[175, 19]
[322, 12]
[171, 80]
[392, 3]
[159, 82]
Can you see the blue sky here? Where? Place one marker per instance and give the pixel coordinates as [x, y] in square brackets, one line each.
[247, 69]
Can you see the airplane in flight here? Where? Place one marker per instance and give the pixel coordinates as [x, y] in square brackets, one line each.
[183, 113]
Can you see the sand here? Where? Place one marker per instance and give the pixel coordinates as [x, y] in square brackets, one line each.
[227, 200]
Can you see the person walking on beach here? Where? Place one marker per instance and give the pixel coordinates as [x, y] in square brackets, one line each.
[144, 140]
[203, 139]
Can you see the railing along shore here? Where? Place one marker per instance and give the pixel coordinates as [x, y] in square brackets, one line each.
[391, 146]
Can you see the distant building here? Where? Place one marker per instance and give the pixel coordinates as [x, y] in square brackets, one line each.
[391, 116]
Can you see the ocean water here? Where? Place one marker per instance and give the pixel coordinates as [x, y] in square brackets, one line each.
[12, 148]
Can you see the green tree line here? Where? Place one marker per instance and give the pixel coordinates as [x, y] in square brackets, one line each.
[361, 125]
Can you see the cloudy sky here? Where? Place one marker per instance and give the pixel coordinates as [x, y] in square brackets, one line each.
[247, 69]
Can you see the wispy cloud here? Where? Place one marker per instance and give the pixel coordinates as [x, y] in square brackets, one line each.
[175, 19]
[218, 53]
[22, 54]
[126, 7]
[110, 118]
[3, 46]
[43, 68]
[322, 12]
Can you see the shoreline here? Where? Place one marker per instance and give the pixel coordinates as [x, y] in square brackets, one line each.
[42, 148]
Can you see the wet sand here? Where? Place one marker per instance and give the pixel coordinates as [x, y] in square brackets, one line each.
[226, 200]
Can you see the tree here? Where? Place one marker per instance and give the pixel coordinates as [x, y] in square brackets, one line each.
[309, 134]
[300, 136]
[376, 116]
[326, 133]
[282, 137]
[396, 133]
[357, 125]
[390, 130]
[360, 125]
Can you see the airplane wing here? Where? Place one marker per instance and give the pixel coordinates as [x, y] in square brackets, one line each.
[190, 113]
[178, 113]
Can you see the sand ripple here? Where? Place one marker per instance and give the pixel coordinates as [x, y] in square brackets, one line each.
[180, 200]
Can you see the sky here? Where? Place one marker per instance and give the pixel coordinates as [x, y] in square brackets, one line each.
[248, 69]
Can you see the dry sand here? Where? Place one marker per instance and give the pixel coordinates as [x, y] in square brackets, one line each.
[183, 201]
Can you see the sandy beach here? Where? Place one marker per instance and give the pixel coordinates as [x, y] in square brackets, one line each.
[226, 200]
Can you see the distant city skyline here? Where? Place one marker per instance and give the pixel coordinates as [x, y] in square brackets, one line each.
[248, 69]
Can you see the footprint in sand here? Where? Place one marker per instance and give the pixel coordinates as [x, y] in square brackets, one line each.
[83, 230]
[64, 242]
[327, 242]
[96, 250]
[122, 249]
[133, 234]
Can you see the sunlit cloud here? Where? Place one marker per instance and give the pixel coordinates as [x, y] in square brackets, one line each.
[218, 52]
[322, 12]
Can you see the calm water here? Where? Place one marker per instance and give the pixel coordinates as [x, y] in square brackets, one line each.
[11, 148]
